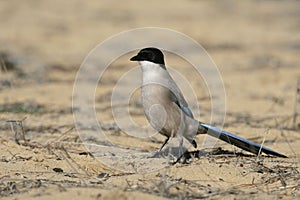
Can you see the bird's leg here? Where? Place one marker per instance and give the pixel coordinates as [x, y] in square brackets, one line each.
[165, 142]
[182, 156]
[180, 145]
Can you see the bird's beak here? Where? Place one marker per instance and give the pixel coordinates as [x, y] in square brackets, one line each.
[134, 58]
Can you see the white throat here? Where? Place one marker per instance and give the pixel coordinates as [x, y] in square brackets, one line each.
[149, 66]
[152, 72]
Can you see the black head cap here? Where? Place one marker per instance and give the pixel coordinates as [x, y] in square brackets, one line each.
[150, 54]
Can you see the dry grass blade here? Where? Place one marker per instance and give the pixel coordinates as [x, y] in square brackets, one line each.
[297, 101]
[18, 130]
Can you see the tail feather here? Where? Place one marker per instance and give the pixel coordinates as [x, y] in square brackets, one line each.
[238, 141]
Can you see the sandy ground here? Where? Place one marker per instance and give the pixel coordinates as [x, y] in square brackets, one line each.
[255, 45]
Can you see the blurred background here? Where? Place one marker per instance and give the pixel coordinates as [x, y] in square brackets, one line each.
[55, 32]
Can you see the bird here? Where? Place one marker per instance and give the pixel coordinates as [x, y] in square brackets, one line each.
[168, 112]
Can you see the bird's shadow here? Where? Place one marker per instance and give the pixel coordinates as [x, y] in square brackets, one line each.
[187, 156]
[182, 155]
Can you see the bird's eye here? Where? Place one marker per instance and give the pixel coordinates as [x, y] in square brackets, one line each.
[149, 55]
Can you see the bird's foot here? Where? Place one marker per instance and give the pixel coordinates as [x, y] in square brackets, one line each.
[184, 158]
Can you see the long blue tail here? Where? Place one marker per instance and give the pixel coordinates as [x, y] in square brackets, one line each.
[237, 141]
